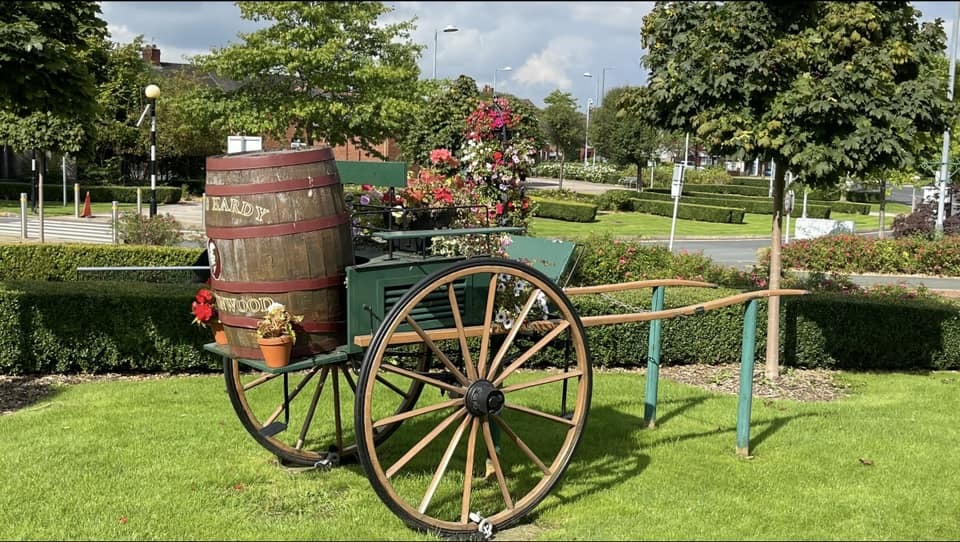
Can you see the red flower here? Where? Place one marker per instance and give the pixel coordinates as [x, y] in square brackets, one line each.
[203, 307]
[366, 187]
[204, 296]
[499, 209]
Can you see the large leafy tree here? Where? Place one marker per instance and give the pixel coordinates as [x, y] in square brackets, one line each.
[822, 88]
[333, 71]
[438, 122]
[48, 61]
[627, 138]
[563, 125]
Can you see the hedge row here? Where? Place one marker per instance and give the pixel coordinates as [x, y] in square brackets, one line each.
[96, 327]
[858, 254]
[750, 205]
[570, 211]
[59, 262]
[819, 194]
[121, 327]
[817, 330]
[689, 211]
[122, 194]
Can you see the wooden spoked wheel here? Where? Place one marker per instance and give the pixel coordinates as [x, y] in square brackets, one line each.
[312, 427]
[488, 438]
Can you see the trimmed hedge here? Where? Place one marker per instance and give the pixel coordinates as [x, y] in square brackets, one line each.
[95, 327]
[689, 211]
[571, 211]
[864, 196]
[121, 194]
[817, 330]
[858, 254]
[59, 262]
[751, 205]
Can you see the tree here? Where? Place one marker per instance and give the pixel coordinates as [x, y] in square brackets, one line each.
[47, 56]
[822, 88]
[332, 71]
[563, 125]
[628, 139]
[438, 122]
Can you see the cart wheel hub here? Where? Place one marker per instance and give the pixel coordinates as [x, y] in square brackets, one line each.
[483, 398]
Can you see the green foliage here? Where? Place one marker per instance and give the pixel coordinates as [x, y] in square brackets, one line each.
[710, 175]
[616, 200]
[855, 83]
[624, 138]
[159, 230]
[562, 124]
[334, 71]
[48, 58]
[689, 211]
[439, 122]
[749, 205]
[858, 254]
[605, 259]
[571, 211]
[121, 194]
[94, 327]
[59, 262]
[595, 173]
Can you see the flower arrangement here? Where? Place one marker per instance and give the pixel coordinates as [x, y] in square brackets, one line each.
[278, 322]
[204, 308]
[512, 294]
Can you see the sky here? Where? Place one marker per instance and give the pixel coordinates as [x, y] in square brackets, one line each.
[547, 45]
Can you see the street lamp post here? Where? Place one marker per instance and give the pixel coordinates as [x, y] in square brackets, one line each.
[503, 69]
[603, 84]
[153, 92]
[448, 28]
[586, 135]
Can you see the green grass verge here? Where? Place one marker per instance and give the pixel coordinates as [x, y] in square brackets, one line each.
[168, 460]
[651, 226]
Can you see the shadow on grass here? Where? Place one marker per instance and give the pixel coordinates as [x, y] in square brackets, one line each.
[18, 392]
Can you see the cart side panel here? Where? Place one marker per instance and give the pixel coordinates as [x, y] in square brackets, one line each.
[373, 288]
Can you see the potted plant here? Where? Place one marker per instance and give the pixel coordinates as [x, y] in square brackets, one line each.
[204, 309]
[276, 335]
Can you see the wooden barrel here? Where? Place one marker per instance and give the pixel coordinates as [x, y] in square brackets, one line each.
[278, 231]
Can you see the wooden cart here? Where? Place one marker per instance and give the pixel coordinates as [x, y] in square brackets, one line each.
[463, 415]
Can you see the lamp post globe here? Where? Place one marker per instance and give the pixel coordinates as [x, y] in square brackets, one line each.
[152, 92]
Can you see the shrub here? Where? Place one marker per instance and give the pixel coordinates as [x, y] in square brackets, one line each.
[597, 173]
[59, 262]
[689, 211]
[121, 194]
[616, 200]
[710, 175]
[922, 222]
[857, 254]
[160, 230]
[571, 211]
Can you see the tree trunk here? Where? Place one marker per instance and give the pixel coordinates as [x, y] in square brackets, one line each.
[883, 200]
[773, 303]
[560, 187]
[639, 177]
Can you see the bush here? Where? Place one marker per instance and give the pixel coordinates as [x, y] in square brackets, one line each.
[597, 173]
[710, 175]
[159, 230]
[922, 222]
[689, 211]
[121, 194]
[571, 211]
[59, 262]
[755, 205]
[616, 200]
[857, 254]
[95, 327]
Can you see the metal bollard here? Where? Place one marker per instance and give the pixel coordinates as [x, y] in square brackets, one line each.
[203, 211]
[139, 201]
[23, 215]
[115, 223]
[76, 200]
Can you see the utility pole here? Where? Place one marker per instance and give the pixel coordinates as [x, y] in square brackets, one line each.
[945, 155]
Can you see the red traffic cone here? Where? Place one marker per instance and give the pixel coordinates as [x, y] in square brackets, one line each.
[87, 213]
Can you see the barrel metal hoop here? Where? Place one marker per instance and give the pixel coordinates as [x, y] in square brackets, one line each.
[271, 230]
[288, 185]
[276, 286]
[265, 160]
[247, 322]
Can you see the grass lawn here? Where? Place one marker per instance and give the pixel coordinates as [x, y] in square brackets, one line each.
[167, 459]
[653, 226]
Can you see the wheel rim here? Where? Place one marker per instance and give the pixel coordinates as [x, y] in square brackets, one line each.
[316, 421]
[422, 473]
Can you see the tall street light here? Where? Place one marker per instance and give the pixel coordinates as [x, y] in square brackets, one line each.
[603, 84]
[503, 69]
[586, 134]
[153, 92]
[448, 28]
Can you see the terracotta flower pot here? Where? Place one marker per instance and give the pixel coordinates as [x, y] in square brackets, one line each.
[219, 335]
[276, 350]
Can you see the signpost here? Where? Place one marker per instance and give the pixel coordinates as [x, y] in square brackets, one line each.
[676, 188]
